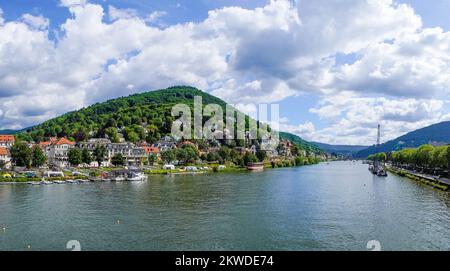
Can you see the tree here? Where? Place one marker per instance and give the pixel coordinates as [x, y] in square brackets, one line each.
[213, 157]
[225, 153]
[152, 158]
[423, 155]
[250, 158]
[99, 154]
[21, 154]
[299, 161]
[39, 157]
[168, 156]
[262, 155]
[130, 135]
[118, 160]
[86, 156]
[112, 134]
[75, 157]
[448, 157]
[81, 135]
[295, 150]
[191, 154]
[382, 157]
[152, 134]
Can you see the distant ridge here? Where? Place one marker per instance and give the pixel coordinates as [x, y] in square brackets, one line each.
[345, 150]
[436, 134]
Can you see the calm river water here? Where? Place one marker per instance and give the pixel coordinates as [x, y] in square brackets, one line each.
[336, 206]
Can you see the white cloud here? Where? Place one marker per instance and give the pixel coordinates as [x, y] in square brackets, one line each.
[354, 119]
[36, 22]
[155, 16]
[116, 13]
[73, 3]
[265, 54]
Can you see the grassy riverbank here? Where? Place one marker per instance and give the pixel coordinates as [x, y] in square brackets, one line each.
[427, 181]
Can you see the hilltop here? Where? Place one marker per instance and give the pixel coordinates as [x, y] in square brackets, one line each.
[436, 134]
[143, 116]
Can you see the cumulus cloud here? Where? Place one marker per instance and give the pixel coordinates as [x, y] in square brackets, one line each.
[263, 55]
[73, 3]
[116, 13]
[35, 22]
[354, 119]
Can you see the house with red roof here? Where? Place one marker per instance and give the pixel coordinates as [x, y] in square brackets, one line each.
[57, 151]
[7, 141]
[5, 157]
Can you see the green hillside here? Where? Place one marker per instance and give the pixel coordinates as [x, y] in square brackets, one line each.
[435, 134]
[130, 116]
[345, 150]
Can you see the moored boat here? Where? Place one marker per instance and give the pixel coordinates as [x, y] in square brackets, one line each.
[255, 166]
[137, 177]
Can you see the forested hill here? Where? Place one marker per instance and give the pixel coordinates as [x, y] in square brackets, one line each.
[435, 134]
[345, 150]
[143, 116]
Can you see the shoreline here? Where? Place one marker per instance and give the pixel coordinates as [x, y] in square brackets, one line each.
[426, 180]
[228, 169]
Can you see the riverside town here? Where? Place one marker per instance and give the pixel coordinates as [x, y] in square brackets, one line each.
[211, 135]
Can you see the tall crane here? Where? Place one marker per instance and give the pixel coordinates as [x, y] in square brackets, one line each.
[379, 137]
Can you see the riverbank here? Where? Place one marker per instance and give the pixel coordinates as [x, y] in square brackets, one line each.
[94, 174]
[421, 178]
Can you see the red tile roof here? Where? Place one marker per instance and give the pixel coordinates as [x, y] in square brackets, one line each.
[64, 141]
[149, 150]
[7, 138]
[3, 152]
[55, 141]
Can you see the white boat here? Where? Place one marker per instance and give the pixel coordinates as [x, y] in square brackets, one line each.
[60, 182]
[46, 182]
[35, 183]
[83, 181]
[70, 181]
[137, 177]
[119, 179]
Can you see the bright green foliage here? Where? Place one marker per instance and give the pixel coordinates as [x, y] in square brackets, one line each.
[118, 160]
[75, 157]
[86, 156]
[250, 158]
[100, 154]
[21, 154]
[425, 156]
[39, 157]
[149, 110]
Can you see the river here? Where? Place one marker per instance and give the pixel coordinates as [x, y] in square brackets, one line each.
[330, 206]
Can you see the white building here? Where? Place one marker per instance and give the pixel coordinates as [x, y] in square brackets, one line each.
[5, 157]
[57, 151]
[7, 141]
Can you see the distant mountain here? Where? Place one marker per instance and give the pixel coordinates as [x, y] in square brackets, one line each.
[436, 134]
[7, 132]
[345, 150]
[12, 132]
[131, 116]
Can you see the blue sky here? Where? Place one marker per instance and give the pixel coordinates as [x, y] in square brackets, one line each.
[334, 80]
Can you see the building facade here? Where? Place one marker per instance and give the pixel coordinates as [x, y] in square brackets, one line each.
[7, 141]
[57, 151]
[5, 157]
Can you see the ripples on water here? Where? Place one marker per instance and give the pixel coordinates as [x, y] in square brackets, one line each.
[337, 206]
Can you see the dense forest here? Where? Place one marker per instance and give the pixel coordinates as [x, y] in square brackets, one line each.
[143, 116]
